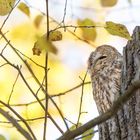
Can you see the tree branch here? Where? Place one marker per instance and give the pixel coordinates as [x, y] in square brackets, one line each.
[16, 124]
[102, 118]
[46, 74]
[21, 118]
[36, 79]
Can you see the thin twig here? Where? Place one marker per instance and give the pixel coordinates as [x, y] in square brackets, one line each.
[27, 120]
[13, 88]
[3, 65]
[20, 117]
[81, 101]
[26, 83]
[46, 94]
[55, 95]
[75, 27]
[4, 47]
[65, 12]
[38, 82]
[70, 121]
[9, 15]
[46, 73]
[27, 65]
[4, 34]
[40, 86]
[67, 91]
[38, 100]
[29, 58]
[87, 135]
[16, 124]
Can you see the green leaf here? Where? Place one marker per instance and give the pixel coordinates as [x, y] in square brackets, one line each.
[24, 8]
[2, 137]
[87, 33]
[130, 1]
[55, 36]
[73, 127]
[43, 44]
[117, 29]
[88, 134]
[6, 6]
[37, 20]
[108, 3]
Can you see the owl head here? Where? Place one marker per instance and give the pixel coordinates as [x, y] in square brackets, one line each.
[103, 56]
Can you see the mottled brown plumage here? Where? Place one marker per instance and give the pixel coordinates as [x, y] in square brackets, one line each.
[104, 65]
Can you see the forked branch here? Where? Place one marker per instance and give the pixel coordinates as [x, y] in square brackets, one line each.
[102, 118]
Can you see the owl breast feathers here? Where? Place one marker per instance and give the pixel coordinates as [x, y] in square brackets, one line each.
[104, 65]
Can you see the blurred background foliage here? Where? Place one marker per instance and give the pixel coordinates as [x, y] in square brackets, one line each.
[25, 24]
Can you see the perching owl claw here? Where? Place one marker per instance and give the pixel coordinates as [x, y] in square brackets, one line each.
[104, 65]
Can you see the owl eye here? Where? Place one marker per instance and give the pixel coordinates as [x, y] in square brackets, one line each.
[102, 57]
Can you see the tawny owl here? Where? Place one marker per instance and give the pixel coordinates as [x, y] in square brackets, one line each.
[104, 65]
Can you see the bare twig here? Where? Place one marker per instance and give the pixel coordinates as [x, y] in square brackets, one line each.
[13, 89]
[38, 82]
[102, 118]
[30, 70]
[4, 47]
[65, 11]
[59, 26]
[75, 27]
[4, 34]
[67, 91]
[87, 135]
[70, 121]
[16, 124]
[3, 65]
[22, 119]
[81, 101]
[9, 14]
[55, 95]
[40, 86]
[27, 120]
[46, 73]
[29, 58]
[38, 100]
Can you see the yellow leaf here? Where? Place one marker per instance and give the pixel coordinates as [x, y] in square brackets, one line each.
[37, 20]
[42, 44]
[87, 34]
[6, 6]
[107, 3]
[117, 29]
[36, 50]
[24, 8]
[55, 36]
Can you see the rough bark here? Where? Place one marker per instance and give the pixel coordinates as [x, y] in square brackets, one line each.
[125, 125]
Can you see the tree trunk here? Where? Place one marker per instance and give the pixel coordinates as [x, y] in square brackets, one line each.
[125, 125]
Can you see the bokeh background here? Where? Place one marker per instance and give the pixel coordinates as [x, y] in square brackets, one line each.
[66, 66]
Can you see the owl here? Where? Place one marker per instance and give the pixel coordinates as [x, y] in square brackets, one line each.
[104, 66]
